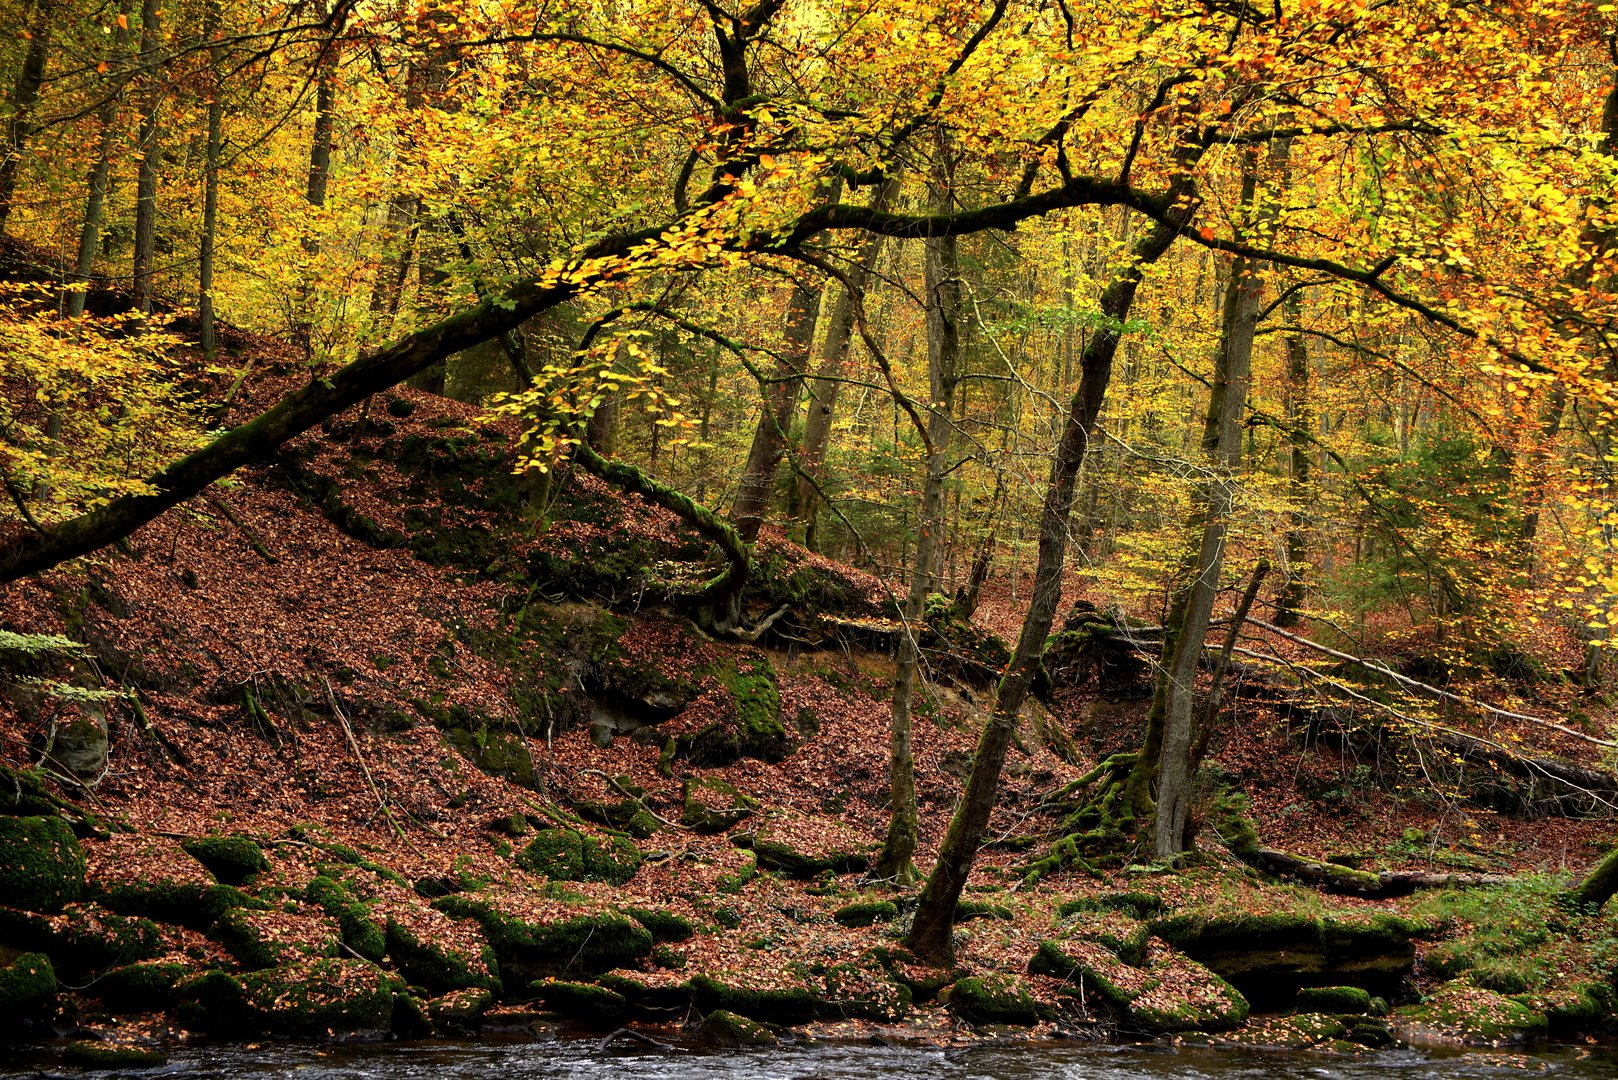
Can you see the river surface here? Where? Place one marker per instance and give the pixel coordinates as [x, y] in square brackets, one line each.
[572, 1059]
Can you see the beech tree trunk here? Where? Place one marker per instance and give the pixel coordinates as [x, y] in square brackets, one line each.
[210, 182]
[1222, 454]
[1300, 449]
[151, 144]
[23, 97]
[930, 933]
[100, 176]
[943, 284]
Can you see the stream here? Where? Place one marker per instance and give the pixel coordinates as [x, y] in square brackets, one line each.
[575, 1059]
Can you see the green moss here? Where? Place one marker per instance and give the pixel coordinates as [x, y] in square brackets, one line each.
[1460, 1012]
[1333, 999]
[89, 937]
[89, 1054]
[1138, 905]
[784, 1005]
[590, 942]
[588, 1004]
[257, 939]
[230, 859]
[145, 986]
[439, 965]
[781, 855]
[866, 913]
[713, 806]
[315, 997]
[727, 1030]
[27, 987]
[664, 925]
[752, 684]
[992, 999]
[731, 884]
[360, 929]
[563, 854]
[41, 864]
[968, 909]
[214, 1002]
[460, 1011]
[186, 903]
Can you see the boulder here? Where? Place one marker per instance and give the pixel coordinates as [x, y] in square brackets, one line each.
[41, 863]
[564, 854]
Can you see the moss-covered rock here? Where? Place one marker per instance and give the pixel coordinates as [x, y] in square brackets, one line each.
[1333, 999]
[313, 997]
[27, 988]
[230, 859]
[550, 941]
[213, 1001]
[361, 929]
[808, 847]
[992, 999]
[147, 986]
[460, 1012]
[664, 925]
[729, 1031]
[1123, 936]
[41, 863]
[778, 1003]
[1167, 992]
[89, 937]
[436, 951]
[189, 904]
[713, 806]
[264, 939]
[112, 1056]
[563, 854]
[1459, 1013]
[584, 1003]
[866, 913]
[1137, 905]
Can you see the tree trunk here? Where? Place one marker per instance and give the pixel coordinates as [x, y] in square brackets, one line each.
[100, 175]
[151, 144]
[930, 933]
[832, 366]
[775, 415]
[1599, 884]
[1222, 451]
[23, 97]
[1300, 448]
[943, 284]
[212, 18]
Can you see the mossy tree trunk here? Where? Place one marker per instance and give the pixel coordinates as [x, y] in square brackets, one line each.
[930, 936]
[943, 285]
[1599, 885]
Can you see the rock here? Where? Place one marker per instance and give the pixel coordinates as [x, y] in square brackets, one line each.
[866, 913]
[713, 806]
[773, 999]
[545, 938]
[563, 854]
[94, 1054]
[594, 1006]
[41, 863]
[84, 937]
[729, 1031]
[664, 925]
[79, 743]
[264, 939]
[803, 847]
[460, 1012]
[1460, 1014]
[1123, 936]
[307, 998]
[992, 999]
[27, 988]
[230, 859]
[1168, 992]
[147, 986]
[443, 953]
[359, 926]
[1333, 999]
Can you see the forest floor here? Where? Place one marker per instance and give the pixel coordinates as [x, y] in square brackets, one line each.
[490, 771]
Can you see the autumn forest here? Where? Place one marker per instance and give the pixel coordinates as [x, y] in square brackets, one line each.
[726, 523]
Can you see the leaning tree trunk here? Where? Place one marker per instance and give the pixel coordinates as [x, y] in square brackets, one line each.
[1599, 884]
[100, 176]
[23, 97]
[1214, 498]
[930, 933]
[943, 283]
[151, 144]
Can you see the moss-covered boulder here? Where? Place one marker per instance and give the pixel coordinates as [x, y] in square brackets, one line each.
[563, 854]
[783, 997]
[1461, 1014]
[89, 937]
[1333, 999]
[993, 998]
[232, 860]
[264, 939]
[728, 1031]
[1166, 992]
[866, 913]
[806, 847]
[1123, 936]
[584, 1003]
[306, 998]
[534, 938]
[1301, 1031]
[713, 806]
[112, 1056]
[27, 989]
[360, 927]
[147, 986]
[460, 1012]
[41, 863]
[440, 952]
[665, 926]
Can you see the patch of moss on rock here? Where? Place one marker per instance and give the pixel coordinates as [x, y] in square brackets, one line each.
[435, 962]
[664, 925]
[93, 1054]
[1333, 999]
[264, 939]
[776, 1004]
[27, 988]
[992, 999]
[564, 854]
[232, 860]
[731, 884]
[1138, 905]
[866, 913]
[184, 903]
[726, 1030]
[592, 942]
[713, 806]
[1169, 992]
[314, 997]
[460, 1012]
[1459, 1013]
[360, 929]
[585, 1003]
[147, 986]
[41, 863]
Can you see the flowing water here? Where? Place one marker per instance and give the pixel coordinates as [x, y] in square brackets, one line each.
[573, 1059]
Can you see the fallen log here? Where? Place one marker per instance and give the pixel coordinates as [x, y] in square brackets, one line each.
[1331, 877]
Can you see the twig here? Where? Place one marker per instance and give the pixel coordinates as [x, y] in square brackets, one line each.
[636, 799]
[353, 743]
[247, 532]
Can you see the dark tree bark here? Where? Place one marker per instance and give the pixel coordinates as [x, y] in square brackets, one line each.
[212, 19]
[23, 97]
[99, 178]
[151, 145]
